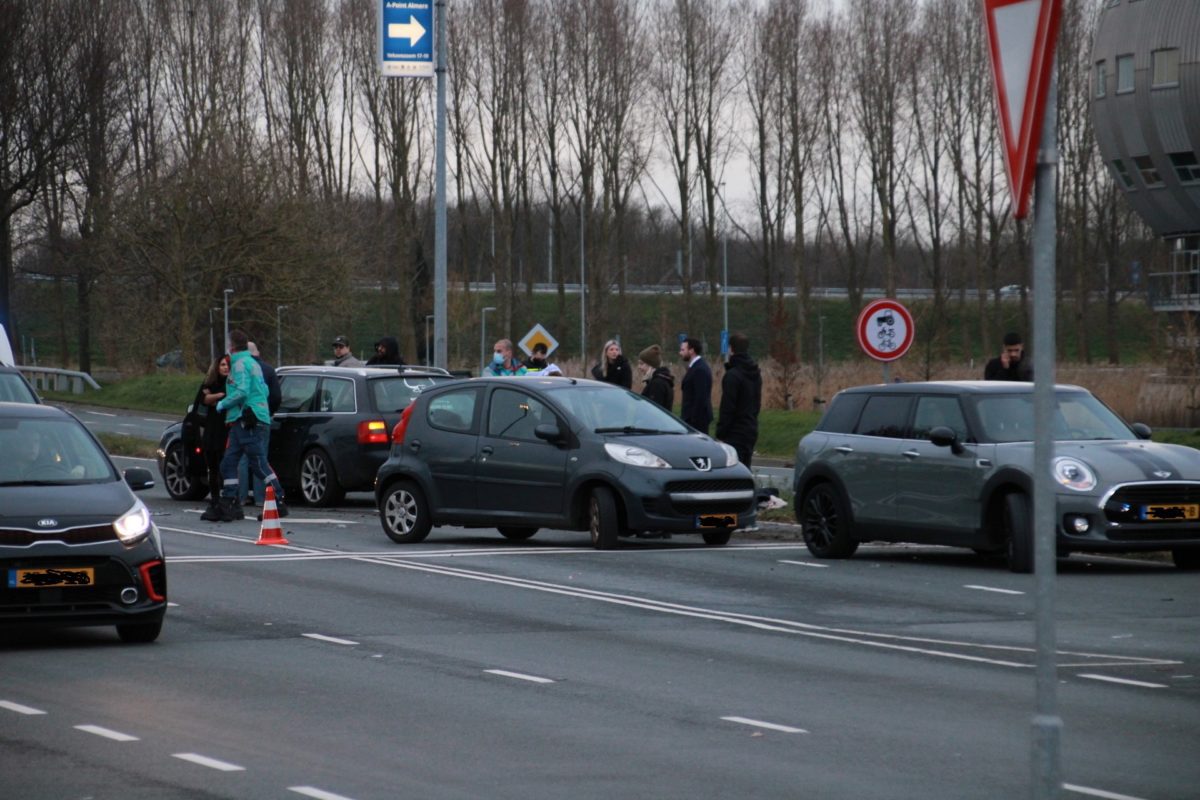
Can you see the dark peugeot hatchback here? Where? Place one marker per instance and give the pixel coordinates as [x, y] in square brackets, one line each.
[519, 454]
[76, 546]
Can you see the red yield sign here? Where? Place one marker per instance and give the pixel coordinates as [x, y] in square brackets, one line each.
[1021, 37]
[885, 330]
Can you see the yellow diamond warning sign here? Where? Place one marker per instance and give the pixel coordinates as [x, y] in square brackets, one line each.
[538, 334]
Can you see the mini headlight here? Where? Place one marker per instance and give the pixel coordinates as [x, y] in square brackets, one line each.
[731, 456]
[133, 525]
[1074, 474]
[635, 456]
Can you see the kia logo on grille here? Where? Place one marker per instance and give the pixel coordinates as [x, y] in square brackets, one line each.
[47, 523]
[701, 463]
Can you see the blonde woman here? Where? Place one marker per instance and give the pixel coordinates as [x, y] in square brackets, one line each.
[613, 367]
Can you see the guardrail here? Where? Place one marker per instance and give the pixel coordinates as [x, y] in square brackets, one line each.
[46, 379]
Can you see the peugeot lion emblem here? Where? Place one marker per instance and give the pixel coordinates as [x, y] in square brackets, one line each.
[1162, 473]
[701, 463]
[47, 522]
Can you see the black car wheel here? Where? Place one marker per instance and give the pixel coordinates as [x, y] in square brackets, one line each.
[318, 482]
[602, 519]
[139, 632]
[404, 514]
[516, 534]
[825, 523]
[717, 538]
[1018, 532]
[181, 484]
[1186, 557]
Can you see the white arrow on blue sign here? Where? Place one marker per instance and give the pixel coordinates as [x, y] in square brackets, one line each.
[405, 33]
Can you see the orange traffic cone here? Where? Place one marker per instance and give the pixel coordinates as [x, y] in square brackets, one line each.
[271, 532]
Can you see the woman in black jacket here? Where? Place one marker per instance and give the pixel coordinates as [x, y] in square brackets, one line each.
[613, 367]
[215, 433]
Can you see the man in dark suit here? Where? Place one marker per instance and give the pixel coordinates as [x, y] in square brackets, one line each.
[697, 409]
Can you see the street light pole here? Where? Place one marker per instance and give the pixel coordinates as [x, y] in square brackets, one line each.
[725, 271]
[212, 337]
[227, 293]
[428, 357]
[582, 287]
[483, 337]
[279, 335]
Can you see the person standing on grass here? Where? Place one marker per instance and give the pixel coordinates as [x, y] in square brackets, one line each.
[741, 399]
[696, 387]
[660, 383]
[613, 367]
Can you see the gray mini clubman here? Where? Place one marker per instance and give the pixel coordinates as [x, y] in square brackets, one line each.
[950, 463]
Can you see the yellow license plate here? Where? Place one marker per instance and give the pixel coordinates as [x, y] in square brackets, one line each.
[1167, 512]
[716, 521]
[51, 577]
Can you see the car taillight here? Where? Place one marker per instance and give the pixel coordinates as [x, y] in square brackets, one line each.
[372, 432]
[402, 425]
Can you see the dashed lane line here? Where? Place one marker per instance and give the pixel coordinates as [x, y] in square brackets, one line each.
[803, 563]
[1090, 792]
[1123, 681]
[316, 794]
[107, 733]
[20, 709]
[758, 723]
[995, 589]
[331, 639]
[211, 763]
[518, 676]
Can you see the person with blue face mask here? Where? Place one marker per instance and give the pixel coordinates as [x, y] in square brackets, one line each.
[503, 362]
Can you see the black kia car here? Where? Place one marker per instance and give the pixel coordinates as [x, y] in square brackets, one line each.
[330, 435]
[522, 453]
[76, 546]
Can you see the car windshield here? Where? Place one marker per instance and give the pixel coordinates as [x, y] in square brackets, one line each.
[394, 394]
[607, 409]
[50, 451]
[14, 389]
[1078, 416]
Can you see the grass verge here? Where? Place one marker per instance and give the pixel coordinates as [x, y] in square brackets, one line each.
[164, 393]
[120, 445]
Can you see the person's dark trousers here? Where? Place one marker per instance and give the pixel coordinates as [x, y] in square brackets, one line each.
[249, 487]
[745, 451]
[245, 440]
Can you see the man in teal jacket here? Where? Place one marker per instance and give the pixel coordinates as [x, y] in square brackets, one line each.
[245, 407]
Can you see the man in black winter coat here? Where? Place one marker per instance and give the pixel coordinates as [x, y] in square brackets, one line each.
[741, 399]
[1011, 364]
[387, 353]
[660, 383]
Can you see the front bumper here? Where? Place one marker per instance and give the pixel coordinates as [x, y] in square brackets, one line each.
[679, 502]
[1116, 523]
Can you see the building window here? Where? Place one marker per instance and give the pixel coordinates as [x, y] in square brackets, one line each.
[1166, 67]
[1123, 173]
[1148, 171]
[1101, 79]
[1187, 168]
[1124, 74]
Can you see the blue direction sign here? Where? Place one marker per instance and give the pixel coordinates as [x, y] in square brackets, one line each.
[406, 38]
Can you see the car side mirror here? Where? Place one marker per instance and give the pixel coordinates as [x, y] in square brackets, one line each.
[941, 436]
[138, 478]
[1141, 430]
[549, 433]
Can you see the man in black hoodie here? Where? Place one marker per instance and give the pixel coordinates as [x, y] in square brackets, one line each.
[741, 399]
[387, 353]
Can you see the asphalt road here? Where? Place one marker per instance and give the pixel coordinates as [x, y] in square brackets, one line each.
[344, 666]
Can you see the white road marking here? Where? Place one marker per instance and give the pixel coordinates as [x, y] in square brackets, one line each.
[319, 794]
[100, 413]
[803, 563]
[771, 726]
[211, 763]
[991, 589]
[331, 639]
[148, 419]
[116, 736]
[312, 521]
[20, 709]
[1070, 787]
[519, 676]
[1123, 681]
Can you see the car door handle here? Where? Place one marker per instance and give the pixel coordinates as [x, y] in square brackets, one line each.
[414, 445]
[844, 449]
[911, 453]
[486, 449]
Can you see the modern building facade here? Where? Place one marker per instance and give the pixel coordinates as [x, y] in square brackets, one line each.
[1146, 114]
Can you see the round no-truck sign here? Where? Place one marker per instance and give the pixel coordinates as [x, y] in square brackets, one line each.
[885, 330]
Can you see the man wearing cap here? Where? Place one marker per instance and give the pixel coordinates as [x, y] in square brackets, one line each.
[660, 383]
[342, 357]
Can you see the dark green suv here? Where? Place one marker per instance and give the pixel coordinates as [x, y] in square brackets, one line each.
[950, 463]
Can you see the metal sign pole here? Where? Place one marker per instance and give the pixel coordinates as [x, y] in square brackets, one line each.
[441, 351]
[1047, 724]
